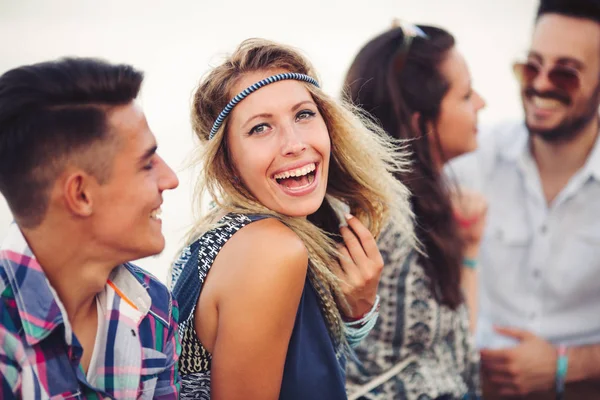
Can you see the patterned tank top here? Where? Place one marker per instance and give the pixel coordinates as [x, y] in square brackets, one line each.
[311, 371]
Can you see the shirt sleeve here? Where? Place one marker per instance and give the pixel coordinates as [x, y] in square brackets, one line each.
[168, 385]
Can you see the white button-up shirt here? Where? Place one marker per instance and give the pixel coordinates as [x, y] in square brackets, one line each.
[539, 264]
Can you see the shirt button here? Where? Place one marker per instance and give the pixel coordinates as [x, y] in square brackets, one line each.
[536, 273]
[532, 315]
[544, 229]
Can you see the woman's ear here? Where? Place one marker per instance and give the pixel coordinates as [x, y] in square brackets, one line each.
[414, 122]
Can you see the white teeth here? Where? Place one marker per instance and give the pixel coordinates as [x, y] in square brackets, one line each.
[156, 213]
[297, 172]
[549, 104]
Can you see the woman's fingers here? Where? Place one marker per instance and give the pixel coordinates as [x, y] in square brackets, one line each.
[360, 241]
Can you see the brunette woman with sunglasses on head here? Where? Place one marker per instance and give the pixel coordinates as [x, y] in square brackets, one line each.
[416, 84]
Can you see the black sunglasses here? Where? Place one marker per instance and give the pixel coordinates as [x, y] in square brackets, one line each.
[561, 76]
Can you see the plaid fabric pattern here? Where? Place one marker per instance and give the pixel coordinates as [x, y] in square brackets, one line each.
[136, 350]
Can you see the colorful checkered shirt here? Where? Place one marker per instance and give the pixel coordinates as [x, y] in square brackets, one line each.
[136, 350]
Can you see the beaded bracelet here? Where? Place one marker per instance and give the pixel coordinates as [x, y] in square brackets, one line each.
[357, 330]
[562, 363]
[469, 263]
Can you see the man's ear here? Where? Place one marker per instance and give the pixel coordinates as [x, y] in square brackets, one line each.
[78, 194]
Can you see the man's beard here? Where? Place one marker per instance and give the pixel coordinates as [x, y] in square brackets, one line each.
[570, 127]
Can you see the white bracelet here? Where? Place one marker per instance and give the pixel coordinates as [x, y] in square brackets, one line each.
[365, 318]
[357, 330]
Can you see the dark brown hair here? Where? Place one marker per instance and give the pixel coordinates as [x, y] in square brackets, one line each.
[587, 9]
[52, 112]
[392, 84]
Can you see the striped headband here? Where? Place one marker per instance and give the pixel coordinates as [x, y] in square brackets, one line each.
[246, 92]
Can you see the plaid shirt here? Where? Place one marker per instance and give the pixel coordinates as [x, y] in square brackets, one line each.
[136, 350]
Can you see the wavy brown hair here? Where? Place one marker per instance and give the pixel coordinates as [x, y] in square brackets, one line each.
[393, 84]
[361, 173]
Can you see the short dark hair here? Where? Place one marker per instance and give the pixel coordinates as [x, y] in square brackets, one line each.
[50, 114]
[589, 9]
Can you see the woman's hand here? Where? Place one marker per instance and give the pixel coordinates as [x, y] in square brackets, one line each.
[359, 268]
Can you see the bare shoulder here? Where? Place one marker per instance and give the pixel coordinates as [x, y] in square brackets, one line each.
[261, 277]
[267, 252]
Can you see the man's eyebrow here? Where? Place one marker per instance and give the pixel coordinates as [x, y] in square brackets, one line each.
[147, 154]
[535, 55]
[574, 62]
[570, 61]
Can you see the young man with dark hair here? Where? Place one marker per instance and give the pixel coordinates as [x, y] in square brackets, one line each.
[540, 257]
[80, 173]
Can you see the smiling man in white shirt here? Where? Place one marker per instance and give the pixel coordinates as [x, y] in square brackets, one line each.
[539, 322]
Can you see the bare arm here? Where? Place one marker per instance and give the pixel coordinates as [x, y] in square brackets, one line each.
[470, 210]
[257, 301]
[469, 286]
[469, 283]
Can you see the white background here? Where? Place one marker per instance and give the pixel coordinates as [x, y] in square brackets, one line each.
[175, 42]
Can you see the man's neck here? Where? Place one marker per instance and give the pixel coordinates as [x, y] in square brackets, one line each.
[558, 161]
[72, 270]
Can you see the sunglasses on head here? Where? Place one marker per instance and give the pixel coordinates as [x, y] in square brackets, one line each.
[561, 76]
[410, 32]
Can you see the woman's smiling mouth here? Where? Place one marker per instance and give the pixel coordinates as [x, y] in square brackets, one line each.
[297, 180]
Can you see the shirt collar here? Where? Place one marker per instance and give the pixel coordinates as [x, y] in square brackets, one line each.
[134, 302]
[518, 146]
[38, 305]
[38, 308]
[519, 149]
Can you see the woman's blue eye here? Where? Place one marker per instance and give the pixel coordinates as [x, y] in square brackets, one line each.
[305, 114]
[258, 129]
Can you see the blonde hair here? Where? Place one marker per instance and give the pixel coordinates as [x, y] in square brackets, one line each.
[361, 171]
